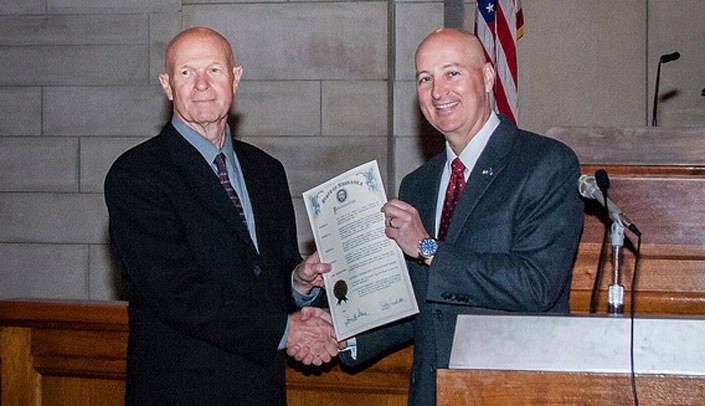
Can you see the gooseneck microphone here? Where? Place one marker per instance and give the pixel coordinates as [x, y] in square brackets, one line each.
[663, 59]
[587, 186]
[603, 181]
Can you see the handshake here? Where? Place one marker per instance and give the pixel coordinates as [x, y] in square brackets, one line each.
[311, 334]
[312, 337]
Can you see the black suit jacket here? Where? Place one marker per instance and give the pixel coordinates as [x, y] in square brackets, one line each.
[206, 310]
[510, 248]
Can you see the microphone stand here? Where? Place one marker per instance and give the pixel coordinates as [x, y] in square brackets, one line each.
[655, 106]
[616, 290]
[663, 59]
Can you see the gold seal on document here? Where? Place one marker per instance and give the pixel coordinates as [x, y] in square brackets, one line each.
[340, 289]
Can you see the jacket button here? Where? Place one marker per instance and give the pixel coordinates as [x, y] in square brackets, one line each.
[439, 314]
[257, 270]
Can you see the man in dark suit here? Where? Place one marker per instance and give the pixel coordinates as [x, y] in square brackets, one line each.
[204, 226]
[509, 242]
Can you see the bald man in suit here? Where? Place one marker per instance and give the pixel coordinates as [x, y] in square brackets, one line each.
[204, 226]
[510, 242]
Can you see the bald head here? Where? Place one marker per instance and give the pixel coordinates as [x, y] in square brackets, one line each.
[189, 37]
[464, 40]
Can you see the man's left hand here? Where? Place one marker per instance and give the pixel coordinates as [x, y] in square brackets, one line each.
[309, 274]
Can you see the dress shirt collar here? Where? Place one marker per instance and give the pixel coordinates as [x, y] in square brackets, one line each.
[471, 153]
[468, 156]
[202, 145]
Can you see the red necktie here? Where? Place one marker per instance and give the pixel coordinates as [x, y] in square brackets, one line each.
[225, 182]
[455, 189]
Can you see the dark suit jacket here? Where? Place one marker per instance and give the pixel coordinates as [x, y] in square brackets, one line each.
[206, 310]
[510, 248]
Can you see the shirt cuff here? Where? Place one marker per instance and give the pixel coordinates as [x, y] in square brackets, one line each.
[282, 343]
[303, 300]
[351, 348]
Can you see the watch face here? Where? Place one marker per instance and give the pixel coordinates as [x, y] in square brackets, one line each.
[428, 247]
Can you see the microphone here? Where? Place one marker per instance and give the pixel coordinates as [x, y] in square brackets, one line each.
[587, 186]
[669, 57]
[603, 181]
[663, 59]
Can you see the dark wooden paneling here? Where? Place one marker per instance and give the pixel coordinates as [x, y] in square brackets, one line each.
[483, 387]
[69, 353]
[666, 203]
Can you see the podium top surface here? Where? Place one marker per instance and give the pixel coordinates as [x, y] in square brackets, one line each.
[634, 146]
[594, 344]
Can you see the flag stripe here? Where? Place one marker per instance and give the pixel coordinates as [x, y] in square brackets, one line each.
[506, 36]
[498, 25]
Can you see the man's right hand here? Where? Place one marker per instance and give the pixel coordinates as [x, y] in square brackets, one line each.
[311, 336]
[403, 225]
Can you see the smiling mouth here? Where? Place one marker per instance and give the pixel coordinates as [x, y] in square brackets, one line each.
[446, 105]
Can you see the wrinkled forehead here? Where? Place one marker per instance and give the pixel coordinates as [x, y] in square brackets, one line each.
[198, 45]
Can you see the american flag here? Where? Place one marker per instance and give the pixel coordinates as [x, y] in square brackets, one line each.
[499, 24]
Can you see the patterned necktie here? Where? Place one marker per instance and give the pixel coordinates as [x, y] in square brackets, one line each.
[225, 182]
[455, 189]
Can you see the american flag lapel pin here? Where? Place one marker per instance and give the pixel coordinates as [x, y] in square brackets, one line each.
[488, 171]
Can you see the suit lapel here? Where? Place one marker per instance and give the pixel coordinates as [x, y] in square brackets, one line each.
[491, 163]
[427, 194]
[199, 177]
[257, 190]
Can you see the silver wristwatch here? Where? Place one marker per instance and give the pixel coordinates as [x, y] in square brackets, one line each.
[428, 247]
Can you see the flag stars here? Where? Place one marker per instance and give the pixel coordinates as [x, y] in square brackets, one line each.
[490, 8]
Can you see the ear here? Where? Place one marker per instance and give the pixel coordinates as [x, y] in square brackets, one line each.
[237, 75]
[166, 86]
[488, 75]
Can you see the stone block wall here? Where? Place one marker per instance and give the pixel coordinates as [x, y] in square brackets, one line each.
[326, 86]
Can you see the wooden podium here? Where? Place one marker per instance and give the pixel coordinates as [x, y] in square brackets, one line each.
[574, 360]
[658, 180]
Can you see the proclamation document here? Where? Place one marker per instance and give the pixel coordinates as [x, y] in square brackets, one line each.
[369, 285]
